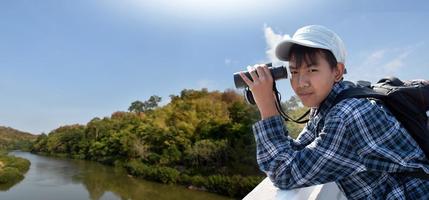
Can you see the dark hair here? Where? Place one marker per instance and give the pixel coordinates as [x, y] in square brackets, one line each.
[308, 55]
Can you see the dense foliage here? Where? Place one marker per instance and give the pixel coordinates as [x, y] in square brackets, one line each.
[200, 138]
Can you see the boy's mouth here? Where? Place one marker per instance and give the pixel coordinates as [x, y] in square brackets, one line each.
[306, 94]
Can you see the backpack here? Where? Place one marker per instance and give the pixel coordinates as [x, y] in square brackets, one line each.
[408, 101]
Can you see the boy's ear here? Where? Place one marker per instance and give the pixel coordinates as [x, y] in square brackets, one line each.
[339, 72]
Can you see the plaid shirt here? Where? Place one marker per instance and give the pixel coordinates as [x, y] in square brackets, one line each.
[357, 143]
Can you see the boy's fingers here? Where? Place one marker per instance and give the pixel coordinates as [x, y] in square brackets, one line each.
[245, 79]
[267, 71]
[253, 74]
[261, 71]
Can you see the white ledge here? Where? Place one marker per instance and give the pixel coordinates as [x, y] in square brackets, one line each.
[267, 191]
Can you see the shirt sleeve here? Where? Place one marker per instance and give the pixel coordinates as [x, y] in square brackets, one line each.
[304, 138]
[328, 158]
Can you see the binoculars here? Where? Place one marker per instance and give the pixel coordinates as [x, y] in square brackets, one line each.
[277, 73]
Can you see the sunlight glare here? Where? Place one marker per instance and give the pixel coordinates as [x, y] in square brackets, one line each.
[201, 8]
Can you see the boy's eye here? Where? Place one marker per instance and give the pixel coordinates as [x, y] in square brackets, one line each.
[293, 72]
[313, 70]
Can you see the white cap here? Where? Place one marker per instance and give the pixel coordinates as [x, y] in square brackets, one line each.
[314, 36]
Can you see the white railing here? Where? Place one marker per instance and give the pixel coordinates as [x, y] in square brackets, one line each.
[267, 191]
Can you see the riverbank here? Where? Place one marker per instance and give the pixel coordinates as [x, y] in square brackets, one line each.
[71, 179]
[233, 186]
[236, 186]
[12, 170]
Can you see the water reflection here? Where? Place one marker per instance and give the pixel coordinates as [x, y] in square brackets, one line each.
[50, 178]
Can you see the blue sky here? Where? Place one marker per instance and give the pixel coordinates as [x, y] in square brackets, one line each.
[66, 62]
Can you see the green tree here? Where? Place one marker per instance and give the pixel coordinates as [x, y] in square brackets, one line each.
[137, 107]
[40, 144]
[66, 139]
[152, 102]
[292, 104]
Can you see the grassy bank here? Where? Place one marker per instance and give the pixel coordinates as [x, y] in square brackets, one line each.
[234, 186]
[12, 170]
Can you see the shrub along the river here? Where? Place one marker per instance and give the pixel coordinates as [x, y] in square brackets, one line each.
[234, 186]
[12, 169]
[155, 173]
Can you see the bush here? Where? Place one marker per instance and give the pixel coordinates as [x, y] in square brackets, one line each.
[167, 174]
[135, 168]
[22, 165]
[160, 174]
[10, 175]
[219, 184]
[241, 186]
[233, 186]
[185, 179]
[12, 170]
[198, 181]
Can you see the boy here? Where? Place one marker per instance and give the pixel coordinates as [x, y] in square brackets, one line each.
[357, 143]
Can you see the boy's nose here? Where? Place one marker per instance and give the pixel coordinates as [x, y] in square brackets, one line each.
[303, 81]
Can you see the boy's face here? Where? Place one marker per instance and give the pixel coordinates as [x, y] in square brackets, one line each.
[312, 82]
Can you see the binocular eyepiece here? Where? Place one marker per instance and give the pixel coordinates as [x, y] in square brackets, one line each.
[277, 73]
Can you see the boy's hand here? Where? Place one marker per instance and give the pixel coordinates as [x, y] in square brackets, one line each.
[262, 89]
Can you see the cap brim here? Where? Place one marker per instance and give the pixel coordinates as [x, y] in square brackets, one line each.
[283, 48]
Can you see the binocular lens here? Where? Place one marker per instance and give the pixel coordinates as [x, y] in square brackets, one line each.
[277, 73]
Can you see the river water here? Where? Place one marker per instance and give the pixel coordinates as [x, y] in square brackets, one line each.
[66, 179]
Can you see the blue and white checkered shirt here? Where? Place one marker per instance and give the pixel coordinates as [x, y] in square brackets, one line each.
[357, 143]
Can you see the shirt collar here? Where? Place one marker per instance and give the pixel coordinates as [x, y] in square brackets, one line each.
[326, 104]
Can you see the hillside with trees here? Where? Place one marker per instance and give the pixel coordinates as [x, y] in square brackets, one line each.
[200, 138]
[11, 139]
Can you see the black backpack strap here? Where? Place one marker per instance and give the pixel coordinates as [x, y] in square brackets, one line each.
[358, 92]
[414, 174]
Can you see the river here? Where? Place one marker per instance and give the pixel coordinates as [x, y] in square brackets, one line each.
[66, 179]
